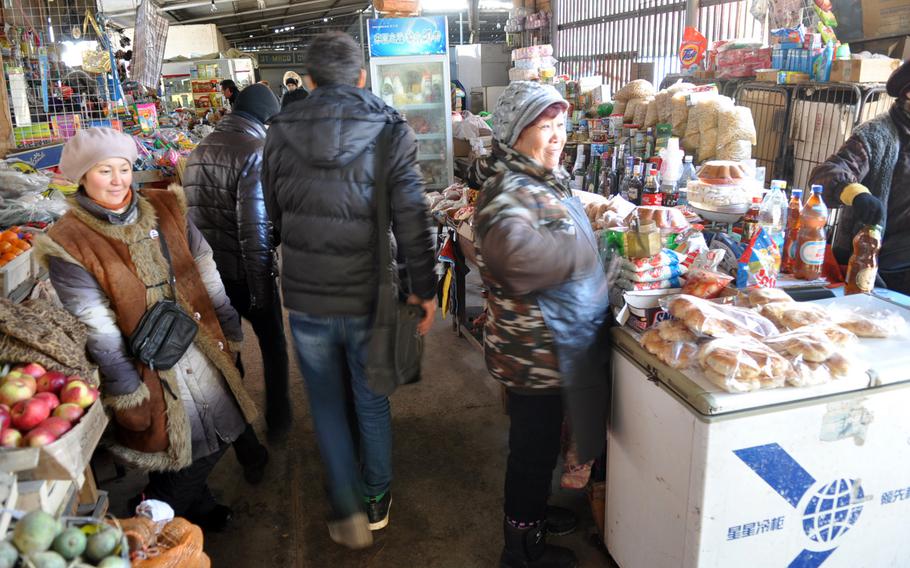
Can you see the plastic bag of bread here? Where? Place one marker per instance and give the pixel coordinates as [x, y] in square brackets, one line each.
[754, 297]
[743, 364]
[878, 324]
[679, 113]
[672, 343]
[735, 123]
[706, 318]
[794, 315]
[637, 89]
[663, 217]
[815, 357]
[739, 150]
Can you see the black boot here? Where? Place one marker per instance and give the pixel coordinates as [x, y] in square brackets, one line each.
[560, 521]
[528, 548]
[252, 455]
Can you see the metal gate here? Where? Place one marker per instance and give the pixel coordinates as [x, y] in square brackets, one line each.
[770, 106]
[622, 39]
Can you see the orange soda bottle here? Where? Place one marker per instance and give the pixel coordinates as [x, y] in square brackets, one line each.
[790, 252]
[811, 236]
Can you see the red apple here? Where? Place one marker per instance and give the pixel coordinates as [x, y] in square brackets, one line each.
[10, 438]
[13, 391]
[79, 393]
[4, 417]
[56, 425]
[72, 378]
[69, 411]
[27, 414]
[22, 378]
[51, 381]
[39, 437]
[34, 369]
[14, 374]
[50, 398]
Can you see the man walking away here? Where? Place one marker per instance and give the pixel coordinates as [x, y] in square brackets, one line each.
[224, 191]
[319, 176]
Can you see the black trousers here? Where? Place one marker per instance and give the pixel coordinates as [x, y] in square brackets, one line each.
[534, 444]
[897, 280]
[268, 325]
[187, 490]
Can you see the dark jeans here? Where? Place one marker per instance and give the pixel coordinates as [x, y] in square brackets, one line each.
[186, 490]
[268, 325]
[323, 346]
[898, 280]
[534, 444]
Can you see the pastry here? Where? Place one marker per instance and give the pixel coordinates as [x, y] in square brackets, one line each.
[794, 315]
[734, 385]
[714, 320]
[836, 334]
[861, 325]
[814, 347]
[838, 366]
[809, 374]
[722, 172]
[723, 356]
[675, 330]
[762, 296]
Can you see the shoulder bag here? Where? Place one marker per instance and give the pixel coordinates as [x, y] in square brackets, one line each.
[165, 331]
[396, 348]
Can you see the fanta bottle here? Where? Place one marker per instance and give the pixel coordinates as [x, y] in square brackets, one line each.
[811, 240]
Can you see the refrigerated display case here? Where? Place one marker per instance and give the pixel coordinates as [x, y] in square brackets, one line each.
[811, 477]
[409, 70]
[178, 90]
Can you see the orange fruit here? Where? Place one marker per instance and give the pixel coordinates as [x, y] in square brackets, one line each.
[21, 245]
[8, 256]
[5, 246]
[9, 236]
[16, 252]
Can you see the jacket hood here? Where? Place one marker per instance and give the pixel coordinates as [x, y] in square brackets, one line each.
[334, 125]
[238, 122]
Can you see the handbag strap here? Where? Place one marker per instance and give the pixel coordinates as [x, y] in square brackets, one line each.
[383, 209]
[171, 279]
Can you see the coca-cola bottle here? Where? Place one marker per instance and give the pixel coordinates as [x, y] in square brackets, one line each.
[863, 264]
[811, 239]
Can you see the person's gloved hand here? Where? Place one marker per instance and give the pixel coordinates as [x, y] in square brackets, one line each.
[868, 209]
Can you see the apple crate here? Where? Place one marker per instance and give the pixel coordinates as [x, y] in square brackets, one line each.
[66, 458]
[15, 272]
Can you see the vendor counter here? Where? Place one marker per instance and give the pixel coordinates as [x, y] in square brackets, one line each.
[787, 477]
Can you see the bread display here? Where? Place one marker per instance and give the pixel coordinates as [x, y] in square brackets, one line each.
[837, 334]
[802, 344]
[861, 325]
[704, 317]
[722, 172]
[739, 363]
[676, 354]
[794, 315]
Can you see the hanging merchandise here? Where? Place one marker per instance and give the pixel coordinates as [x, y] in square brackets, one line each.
[148, 49]
[95, 60]
[692, 50]
[18, 88]
[43, 64]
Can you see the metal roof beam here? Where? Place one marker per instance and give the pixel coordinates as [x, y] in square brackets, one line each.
[273, 18]
[288, 6]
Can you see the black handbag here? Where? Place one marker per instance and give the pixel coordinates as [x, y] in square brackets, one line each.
[165, 331]
[395, 349]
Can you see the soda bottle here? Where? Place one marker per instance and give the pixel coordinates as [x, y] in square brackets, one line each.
[593, 175]
[811, 239]
[608, 175]
[626, 178]
[773, 214]
[789, 255]
[750, 220]
[636, 186]
[863, 265]
[650, 194]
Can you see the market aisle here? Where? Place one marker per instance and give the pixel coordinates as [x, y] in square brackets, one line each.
[450, 449]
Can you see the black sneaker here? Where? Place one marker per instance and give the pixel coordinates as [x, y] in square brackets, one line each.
[378, 511]
[560, 521]
[215, 519]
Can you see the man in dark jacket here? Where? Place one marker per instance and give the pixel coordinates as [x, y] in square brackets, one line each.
[319, 175]
[224, 190]
[870, 174]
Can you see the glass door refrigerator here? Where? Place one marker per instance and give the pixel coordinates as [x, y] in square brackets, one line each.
[409, 70]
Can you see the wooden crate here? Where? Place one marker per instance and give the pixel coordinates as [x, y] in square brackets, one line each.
[66, 458]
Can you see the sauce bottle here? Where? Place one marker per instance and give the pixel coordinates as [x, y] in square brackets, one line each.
[863, 265]
[811, 239]
[651, 195]
[635, 185]
[751, 220]
[789, 255]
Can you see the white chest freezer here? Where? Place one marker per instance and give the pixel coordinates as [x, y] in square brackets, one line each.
[791, 477]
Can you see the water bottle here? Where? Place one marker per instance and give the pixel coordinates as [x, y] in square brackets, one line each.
[772, 215]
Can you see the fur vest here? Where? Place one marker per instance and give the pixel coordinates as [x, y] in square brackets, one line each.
[150, 426]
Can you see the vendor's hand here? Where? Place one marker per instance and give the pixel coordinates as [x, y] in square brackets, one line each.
[868, 209]
[429, 312]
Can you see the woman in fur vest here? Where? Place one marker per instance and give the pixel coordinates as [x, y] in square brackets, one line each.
[107, 265]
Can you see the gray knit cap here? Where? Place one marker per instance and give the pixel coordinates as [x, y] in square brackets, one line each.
[520, 105]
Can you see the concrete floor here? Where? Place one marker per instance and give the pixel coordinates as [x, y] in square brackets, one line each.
[450, 450]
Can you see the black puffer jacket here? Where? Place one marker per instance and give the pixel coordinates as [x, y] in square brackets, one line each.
[318, 180]
[224, 192]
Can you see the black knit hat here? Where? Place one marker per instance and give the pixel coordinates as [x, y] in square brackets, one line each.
[899, 82]
[257, 101]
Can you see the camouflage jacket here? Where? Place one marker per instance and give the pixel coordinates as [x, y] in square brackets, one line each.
[526, 243]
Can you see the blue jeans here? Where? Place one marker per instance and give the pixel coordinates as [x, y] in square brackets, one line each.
[323, 345]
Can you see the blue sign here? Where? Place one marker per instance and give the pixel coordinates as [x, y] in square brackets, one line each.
[393, 37]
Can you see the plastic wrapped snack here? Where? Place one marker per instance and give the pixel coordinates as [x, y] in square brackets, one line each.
[759, 265]
[705, 318]
[794, 315]
[631, 109]
[806, 344]
[654, 274]
[672, 343]
[664, 100]
[706, 284]
[663, 217]
[735, 123]
[878, 324]
[743, 364]
[637, 89]
[619, 107]
[679, 113]
[737, 150]
[761, 296]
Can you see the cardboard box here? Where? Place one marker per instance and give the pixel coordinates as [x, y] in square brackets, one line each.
[863, 70]
[883, 18]
[66, 458]
[766, 75]
[461, 148]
